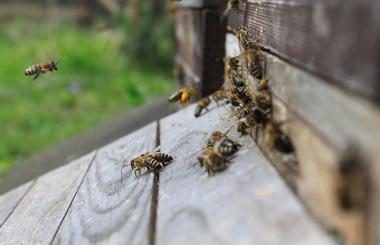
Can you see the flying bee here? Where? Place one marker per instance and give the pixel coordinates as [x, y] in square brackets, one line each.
[219, 95]
[226, 147]
[42, 68]
[201, 105]
[277, 139]
[151, 161]
[253, 61]
[183, 95]
[212, 161]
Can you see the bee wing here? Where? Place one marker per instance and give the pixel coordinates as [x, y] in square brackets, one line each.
[175, 96]
[157, 150]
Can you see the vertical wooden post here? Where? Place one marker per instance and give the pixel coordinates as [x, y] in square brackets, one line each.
[200, 38]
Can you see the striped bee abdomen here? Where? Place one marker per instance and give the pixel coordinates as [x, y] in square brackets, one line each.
[152, 163]
[198, 110]
[227, 147]
[163, 157]
[31, 70]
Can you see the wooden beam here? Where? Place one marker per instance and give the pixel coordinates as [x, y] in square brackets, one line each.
[112, 205]
[248, 203]
[337, 40]
[323, 122]
[39, 214]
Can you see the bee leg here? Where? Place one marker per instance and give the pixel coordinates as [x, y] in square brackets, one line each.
[37, 75]
[135, 172]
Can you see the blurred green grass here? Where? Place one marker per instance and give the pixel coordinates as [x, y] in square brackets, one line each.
[95, 82]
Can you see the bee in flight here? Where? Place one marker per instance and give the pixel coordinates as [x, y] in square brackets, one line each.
[183, 95]
[42, 68]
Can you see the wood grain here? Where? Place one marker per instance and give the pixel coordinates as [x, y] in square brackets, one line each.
[338, 40]
[38, 215]
[322, 122]
[10, 200]
[112, 206]
[246, 204]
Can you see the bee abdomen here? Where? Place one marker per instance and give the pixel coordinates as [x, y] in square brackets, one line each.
[31, 70]
[154, 164]
[163, 157]
[175, 97]
[227, 147]
[198, 110]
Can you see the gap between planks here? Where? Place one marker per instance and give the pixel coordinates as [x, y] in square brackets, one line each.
[18, 202]
[72, 200]
[155, 193]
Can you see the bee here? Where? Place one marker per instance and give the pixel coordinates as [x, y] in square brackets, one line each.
[183, 95]
[36, 70]
[251, 117]
[242, 94]
[226, 147]
[212, 161]
[215, 137]
[253, 60]
[262, 96]
[243, 37]
[231, 4]
[237, 80]
[277, 138]
[151, 161]
[233, 98]
[201, 104]
[219, 95]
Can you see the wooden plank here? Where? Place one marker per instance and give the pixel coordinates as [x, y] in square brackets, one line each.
[322, 122]
[112, 206]
[200, 35]
[338, 40]
[246, 204]
[37, 217]
[10, 200]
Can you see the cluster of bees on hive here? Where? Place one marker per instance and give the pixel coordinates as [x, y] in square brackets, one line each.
[250, 105]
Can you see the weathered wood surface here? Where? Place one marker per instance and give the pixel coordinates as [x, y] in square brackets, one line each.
[39, 214]
[323, 122]
[246, 204]
[200, 35]
[10, 200]
[112, 206]
[338, 40]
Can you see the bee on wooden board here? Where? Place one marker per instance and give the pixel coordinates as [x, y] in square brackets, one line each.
[219, 95]
[42, 68]
[215, 137]
[202, 104]
[183, 95]
[251, 117]
[152, 161]
[226, 147]
[212, 161]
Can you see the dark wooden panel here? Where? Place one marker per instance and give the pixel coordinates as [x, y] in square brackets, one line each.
[338, 40]
[200, 35]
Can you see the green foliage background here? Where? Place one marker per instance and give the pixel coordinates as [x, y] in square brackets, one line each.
[113, 69]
